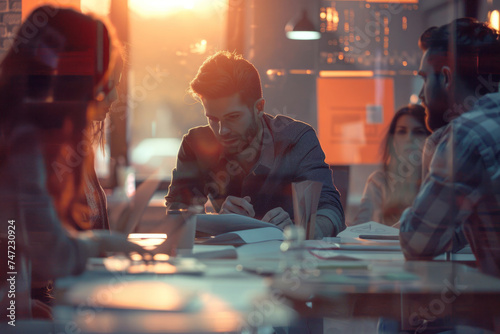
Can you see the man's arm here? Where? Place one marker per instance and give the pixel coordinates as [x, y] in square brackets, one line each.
[330, 218]
[432, 225]
[186, 184]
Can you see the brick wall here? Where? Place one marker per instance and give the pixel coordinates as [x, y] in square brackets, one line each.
[10, 20]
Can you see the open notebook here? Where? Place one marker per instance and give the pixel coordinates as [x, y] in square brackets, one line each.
[233, 229]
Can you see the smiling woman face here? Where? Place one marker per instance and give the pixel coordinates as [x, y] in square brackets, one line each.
[233, 123]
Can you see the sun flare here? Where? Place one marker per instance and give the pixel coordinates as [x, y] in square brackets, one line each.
[148, 8]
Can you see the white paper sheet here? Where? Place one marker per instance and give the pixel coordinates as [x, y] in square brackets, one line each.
[247, 236]
[217, 224]
[369, 228]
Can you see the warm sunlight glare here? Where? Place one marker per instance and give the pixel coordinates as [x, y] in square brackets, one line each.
[148, 8]
[495, 19]
[99, 7]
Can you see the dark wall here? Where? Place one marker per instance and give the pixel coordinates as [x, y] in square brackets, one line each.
[268, 48]
[295, 94]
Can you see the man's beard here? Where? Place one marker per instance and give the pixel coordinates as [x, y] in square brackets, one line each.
[246, 139]
[434, 120]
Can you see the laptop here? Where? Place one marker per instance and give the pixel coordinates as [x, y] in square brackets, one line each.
[130, 213]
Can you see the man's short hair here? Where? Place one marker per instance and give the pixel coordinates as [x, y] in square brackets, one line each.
[225, 74]
[469, 47]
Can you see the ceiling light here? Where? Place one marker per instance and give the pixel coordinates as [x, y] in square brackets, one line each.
[302, 30]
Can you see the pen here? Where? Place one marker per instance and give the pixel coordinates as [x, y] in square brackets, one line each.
[378, 237]
[214, 204]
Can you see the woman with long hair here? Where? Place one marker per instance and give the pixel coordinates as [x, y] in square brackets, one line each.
[393, 188]
[63, 60]
[55, 81]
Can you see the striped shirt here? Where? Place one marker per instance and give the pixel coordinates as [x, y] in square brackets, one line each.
[461, 191]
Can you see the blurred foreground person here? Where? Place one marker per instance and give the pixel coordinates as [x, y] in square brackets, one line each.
[388, 192]
[54, 82]
[462, 190]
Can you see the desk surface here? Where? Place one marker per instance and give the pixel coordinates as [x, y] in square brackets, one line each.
[223, 299]
[229, 295]
[410, 292]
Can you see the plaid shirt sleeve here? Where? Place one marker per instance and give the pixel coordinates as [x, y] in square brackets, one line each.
[432, 225]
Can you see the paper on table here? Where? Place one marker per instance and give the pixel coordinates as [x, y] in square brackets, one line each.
[369, 228]
[214, 252]
[268, 251]
[217, 224]
[261, 234]
[247, 236]
[305, 204]
[361, 254]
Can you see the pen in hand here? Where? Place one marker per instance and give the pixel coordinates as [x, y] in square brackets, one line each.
[213, 203]
[238, 205]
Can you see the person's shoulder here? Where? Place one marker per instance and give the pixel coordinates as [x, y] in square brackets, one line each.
[481, 123]
[487, 108]
[24, 138]
[286, 121]
[286, 127]
[437, 135]
[377, 178]
[202, 131]
[201, 140]
[200, 135]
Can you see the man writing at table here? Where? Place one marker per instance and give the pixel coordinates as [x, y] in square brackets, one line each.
[245, 160]
[461, 193]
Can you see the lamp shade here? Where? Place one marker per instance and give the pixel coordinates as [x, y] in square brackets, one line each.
[302, 30]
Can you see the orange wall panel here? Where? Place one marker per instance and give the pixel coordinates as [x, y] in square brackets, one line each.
[353, 116]
[29, 5]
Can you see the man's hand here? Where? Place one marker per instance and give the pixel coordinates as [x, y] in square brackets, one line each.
[278, 217]
[238, 205]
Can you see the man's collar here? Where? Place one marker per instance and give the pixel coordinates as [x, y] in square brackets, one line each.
[267, 147]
